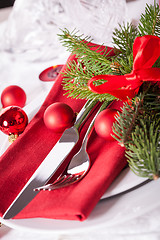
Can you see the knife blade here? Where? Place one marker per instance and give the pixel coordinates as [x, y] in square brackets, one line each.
[50, 165]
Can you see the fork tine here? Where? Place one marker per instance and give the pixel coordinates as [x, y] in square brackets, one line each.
[59, 180]
[63, 181]
[67, 181]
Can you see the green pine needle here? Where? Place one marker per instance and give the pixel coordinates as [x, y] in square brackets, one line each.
[75, 83]
[144, 153]
[126, 120]
[89, 63]
[150, 21]
[137, 128]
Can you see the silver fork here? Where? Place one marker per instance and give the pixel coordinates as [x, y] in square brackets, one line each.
[78, 166]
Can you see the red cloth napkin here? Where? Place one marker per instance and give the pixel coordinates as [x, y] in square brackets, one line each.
[23, 157]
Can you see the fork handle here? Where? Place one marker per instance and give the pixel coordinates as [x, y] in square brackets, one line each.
[103, 106]
[84, 112]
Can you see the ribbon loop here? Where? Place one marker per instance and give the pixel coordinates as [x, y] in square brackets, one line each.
[146, 51]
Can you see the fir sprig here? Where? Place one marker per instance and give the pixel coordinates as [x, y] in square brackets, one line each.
[143, 153]
[81, 46]
[123, 38]
[89, 63]
[150, 21]
[137, 127]
[127, 119]
[75, 83]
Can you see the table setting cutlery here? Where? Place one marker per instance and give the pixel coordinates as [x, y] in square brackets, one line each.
[78, 165]
[46, 170]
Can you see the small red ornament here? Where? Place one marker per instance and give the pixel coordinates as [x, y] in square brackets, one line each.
[59, 116]
[104, 123]
[13, 96]
[13, 121]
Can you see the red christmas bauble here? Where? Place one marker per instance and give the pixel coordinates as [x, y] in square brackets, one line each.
[13, 120]
[58, 116]
[13, 96]
[104, 123]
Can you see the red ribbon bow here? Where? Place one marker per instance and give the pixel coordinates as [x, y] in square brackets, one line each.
[146, 51]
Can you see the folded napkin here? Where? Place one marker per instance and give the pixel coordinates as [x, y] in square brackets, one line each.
[23, 157]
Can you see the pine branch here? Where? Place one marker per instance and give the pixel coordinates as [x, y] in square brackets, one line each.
[144, 105]
[82, 47]
[138, 129]
[123, 38]
[144, 153]
[71, 41]
[75, 83]
[95, 62]
[126, 120]
[89, 63]
[150, 21]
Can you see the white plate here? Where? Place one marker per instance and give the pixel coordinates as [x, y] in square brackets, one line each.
[125, 181]
[107, 213]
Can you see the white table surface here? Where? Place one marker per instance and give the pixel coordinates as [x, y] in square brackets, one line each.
[146, 226]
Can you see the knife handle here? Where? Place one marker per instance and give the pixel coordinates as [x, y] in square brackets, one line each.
[84, 112]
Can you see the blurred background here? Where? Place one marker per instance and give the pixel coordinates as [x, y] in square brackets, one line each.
[30, 32]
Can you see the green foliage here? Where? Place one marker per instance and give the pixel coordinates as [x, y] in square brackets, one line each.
[150, 21]
[126, 121]
[76, 79]
[144, 152]
[137, 127]
[82, 47]
[89, 63]
[123, 39]
[98, 62]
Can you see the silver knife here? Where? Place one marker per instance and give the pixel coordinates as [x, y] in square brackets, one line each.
[51, 163]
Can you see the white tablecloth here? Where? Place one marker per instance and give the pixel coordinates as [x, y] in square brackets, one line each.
[146, 226]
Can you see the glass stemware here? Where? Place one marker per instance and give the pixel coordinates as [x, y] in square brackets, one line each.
[32, 28]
